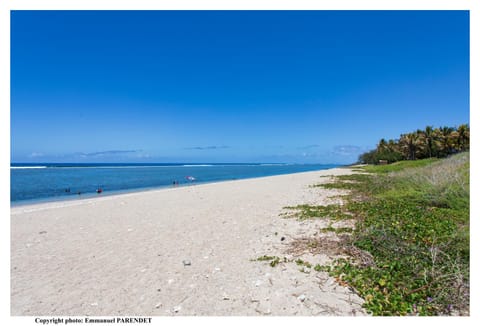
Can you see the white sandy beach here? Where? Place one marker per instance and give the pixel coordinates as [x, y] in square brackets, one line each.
[179, 251]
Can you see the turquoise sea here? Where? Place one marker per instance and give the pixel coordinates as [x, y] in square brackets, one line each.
[32, 183]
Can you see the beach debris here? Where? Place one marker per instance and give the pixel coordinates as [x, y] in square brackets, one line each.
[42, 232]
[294, 281]
[159, 290]
[94, 304]
[226, 296]
[302, 297]
[282, 238]
[264, 308]
[177, 309]
[266, 312]
[186, 262]
[258, 283]
[158, 305]
[205, 257]
[170, 281]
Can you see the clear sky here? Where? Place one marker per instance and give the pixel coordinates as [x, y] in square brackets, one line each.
[231, 86]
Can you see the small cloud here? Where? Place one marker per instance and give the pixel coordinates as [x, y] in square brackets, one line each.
[104, 153]
[347, 150]
[305, 154]
[201, 148]
[35, 154]
[144, 155]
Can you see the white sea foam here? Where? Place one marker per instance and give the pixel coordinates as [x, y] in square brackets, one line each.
[28, 167]
[195, 165]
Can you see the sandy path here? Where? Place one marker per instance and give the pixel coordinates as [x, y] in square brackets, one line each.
[123, 255]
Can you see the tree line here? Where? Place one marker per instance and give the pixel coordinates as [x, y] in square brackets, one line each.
[427, 143]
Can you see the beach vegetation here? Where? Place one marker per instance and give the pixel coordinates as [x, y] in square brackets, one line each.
[322, 268]
[412, 217]
[427, 143]
[301, 262]
[338, 230]
[303, 212]
[273, 260]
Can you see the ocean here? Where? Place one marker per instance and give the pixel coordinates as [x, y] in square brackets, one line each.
[34, 183]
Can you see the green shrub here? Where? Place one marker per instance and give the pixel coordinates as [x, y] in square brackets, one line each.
[415, 224]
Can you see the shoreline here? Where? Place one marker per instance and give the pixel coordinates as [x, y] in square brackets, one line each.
[92, 195]
[176, 251]
[106, 194]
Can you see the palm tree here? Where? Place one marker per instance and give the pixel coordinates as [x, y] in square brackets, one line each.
[463, 137]
[446, 140]
[388, 151]
[430, 142]
[393, 146]
[411, 144]
[430, 139]
[382, 145]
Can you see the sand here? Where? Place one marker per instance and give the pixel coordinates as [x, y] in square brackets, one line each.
[180, 251]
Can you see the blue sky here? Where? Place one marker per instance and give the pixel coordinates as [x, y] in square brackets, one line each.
[231, 86]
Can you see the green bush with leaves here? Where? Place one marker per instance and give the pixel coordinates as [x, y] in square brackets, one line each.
[420, 144]
[414, 221]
